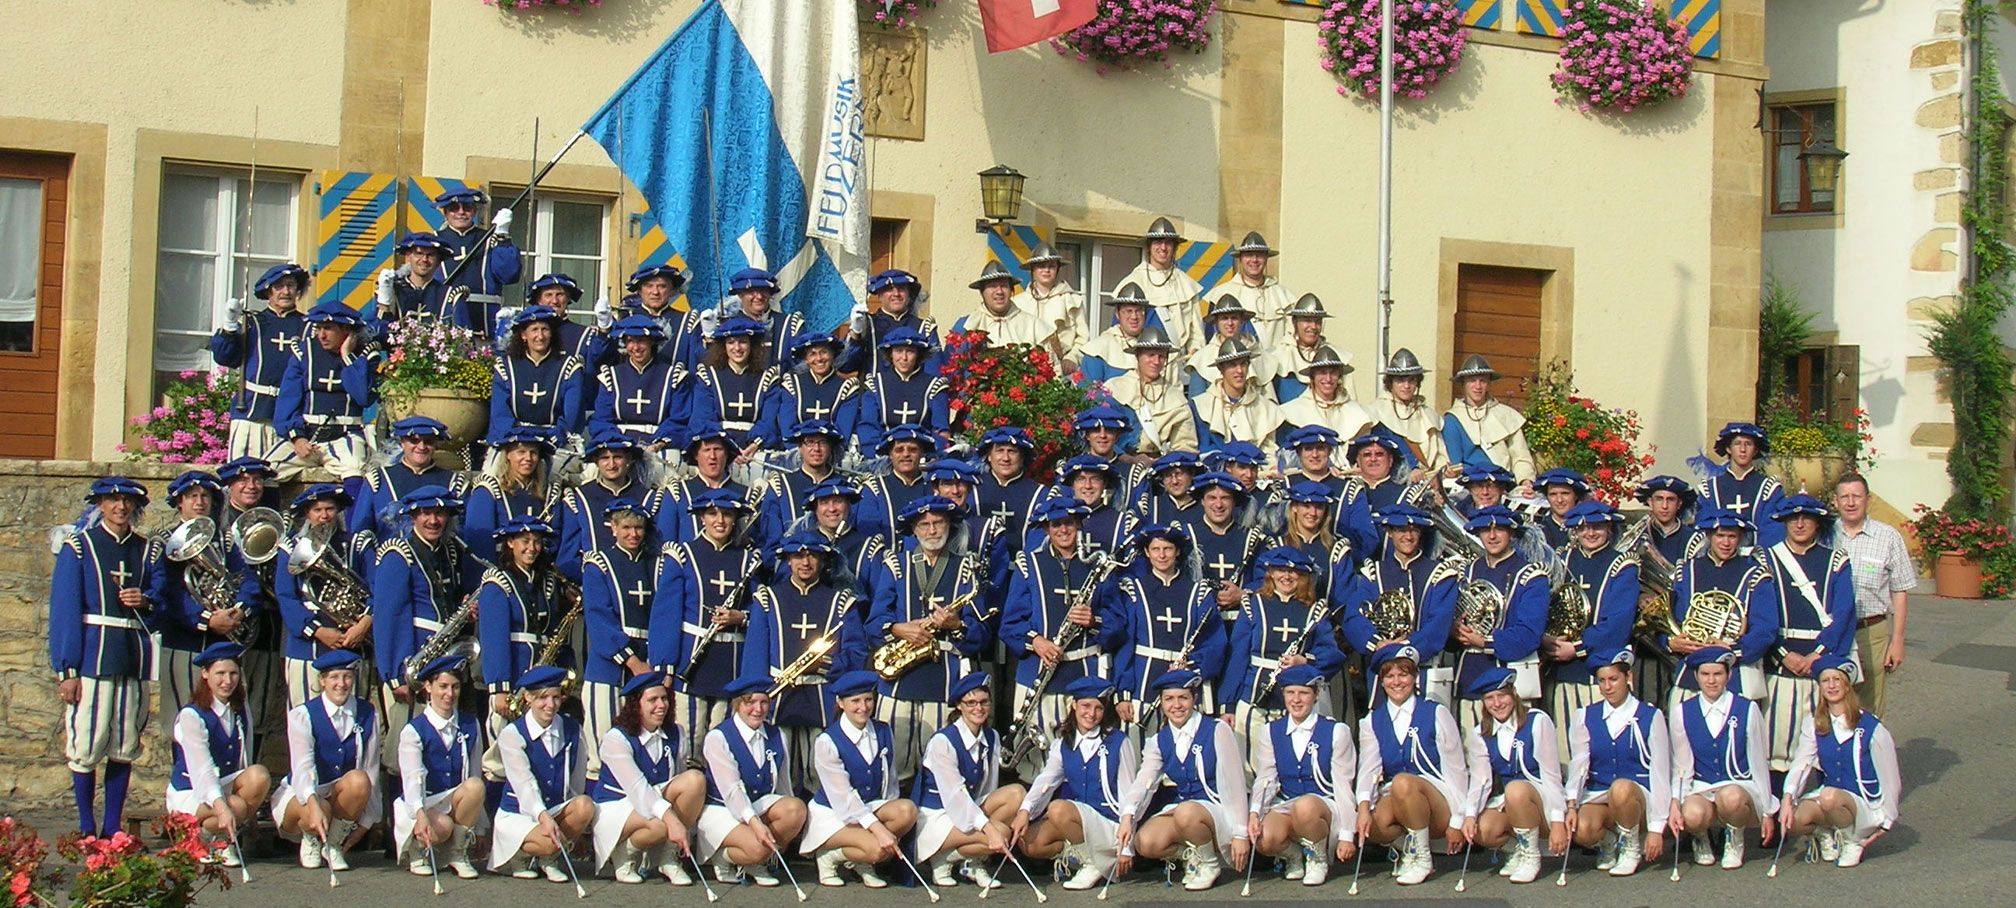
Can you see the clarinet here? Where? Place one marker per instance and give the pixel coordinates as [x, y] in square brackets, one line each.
[713, 630]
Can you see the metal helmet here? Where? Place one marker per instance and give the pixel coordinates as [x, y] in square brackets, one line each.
[1327, 357]
[1043, 254]
[1130, 293]
[1404, 364]
[1161, 229]
[1308, 305]
[1475, 365]
[993, 272]
[1228, 304]
[1152, 337]
[1254, 242]
[1235, 350]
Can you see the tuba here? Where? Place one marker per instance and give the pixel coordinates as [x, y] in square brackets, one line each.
[344, 597]
[1655, 596]
[194, 546]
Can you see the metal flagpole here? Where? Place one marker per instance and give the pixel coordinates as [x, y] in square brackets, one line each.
[1385, 185]
[522, 196]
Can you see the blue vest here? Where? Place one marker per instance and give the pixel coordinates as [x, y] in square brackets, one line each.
[227, 747]
[1522, 762]
[534, 388]
[735, 396]
[1419, 754]
[759, 776]
[322, 376]
[1850, 765]
[336, 756]
[446, 762]
[656, 772]
[1722, 757]
[260, 351]
[867, 779]
[972, 772]
[1194, 774]
[902, 400]
[549, 770]
[1308, 774]
[1627, 756]
[640, 398]
[810, 398]
[1095, 782]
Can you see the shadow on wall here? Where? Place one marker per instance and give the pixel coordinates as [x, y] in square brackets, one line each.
[1681, 402]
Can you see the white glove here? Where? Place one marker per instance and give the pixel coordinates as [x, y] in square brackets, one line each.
[504, 316]
[604, 316]
[234, 314]
[386, 299]
[500, 223]
[857, 320]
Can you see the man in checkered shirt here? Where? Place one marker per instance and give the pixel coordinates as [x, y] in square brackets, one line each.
[1884, 575]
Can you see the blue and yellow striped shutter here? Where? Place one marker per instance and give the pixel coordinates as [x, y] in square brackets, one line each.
[1209, 264]
[1478, 13]
[353, 235]
[1703, 19]
[418, 212]
[1009, 244]
[1541, 17]
[653, 247]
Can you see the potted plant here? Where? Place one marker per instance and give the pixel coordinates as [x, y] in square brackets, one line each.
[1129, 34]
[1428, 40]
[1568, 429]
[1810, 452]
[1036, 398]
[191, 425]
[1957, 549]
[441, 371]
[893, 14]
[115, 871]
[1620, 55]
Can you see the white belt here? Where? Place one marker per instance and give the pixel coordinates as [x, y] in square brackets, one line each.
[637, 632]
[485, 298]
[257, 388]
[1798, 633]
[698, 630]
[427, 624]
[737, 425]
[533, 639]
[1263, 662]
[1156, 652]
[636, 427]
[317, 419]
[1082, 652]
[131, 624]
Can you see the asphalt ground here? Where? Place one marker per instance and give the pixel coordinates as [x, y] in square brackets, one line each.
[1951, 711]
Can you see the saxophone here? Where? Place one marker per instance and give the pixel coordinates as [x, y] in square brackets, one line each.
[448, 637]
[898, 657]
[568, 593]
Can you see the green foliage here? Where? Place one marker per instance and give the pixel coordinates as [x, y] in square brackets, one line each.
[1792, 434]
[1784, 325]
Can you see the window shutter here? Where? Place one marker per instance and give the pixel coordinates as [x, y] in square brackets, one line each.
[1703, 19]
[1479, 13]
[354, 234]
[653, 247]
[419, 213]
[1541, 17]
[1009, 244]
[1843, 364]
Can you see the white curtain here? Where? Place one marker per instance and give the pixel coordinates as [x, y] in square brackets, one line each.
[20, 248]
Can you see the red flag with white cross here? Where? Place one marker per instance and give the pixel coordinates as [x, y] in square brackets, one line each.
[1019, 23]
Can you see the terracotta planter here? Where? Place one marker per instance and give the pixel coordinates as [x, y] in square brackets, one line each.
[1813, 472]
[1956, 575]
[467, 415]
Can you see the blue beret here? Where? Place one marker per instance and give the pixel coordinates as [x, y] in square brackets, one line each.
[218, 652]
[947, 469]
[836, 486]
[1673, 484]
[540, 677]
[1402, 515]
[806, 342]
[1177, 679]
[636, 326]
[929, 504]
[1591, 511]
[753, 279]
[1742, 430]
[116, 485]
[1086, 463]
[1392, 651]
[1496, 515]
[1492, 473]
[322, 491]
[722, 499]
[1285, 557]
[1708, 654]
[713, 433]
[1562, 476]
[193, 479]
[855, 682]
[1057, 508]
[1103, 416]
[908, 431]
[464, 196]
[1359, 444]
[1176, 460]
[533, 314]
[422, 240]
[449, 663]
[1217, 480]
[905, 337]
[1801, 504]
[649, 272]
[525, 524]
[337, 660]
[285, 271]
[421, 426]
[747, 684]
[1303, 491]
[429, 497]
[814, 428]
[556, 279]
[1837, 662]
[965, 684]
[1304, 675]
[334, 313]
[613, 440]
[1722, 518]
[808, 541]
[1488, 680]
[1314, 435]
[1168, 532]
[617, 506]
[894, 277]
[1089, 687]
[643, 682]
[537, 436]
[736, 326]
[1006, 435]
[232, 469]
[1621, 655]
[1244, 453]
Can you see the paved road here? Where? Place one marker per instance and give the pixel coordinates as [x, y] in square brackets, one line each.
[1950, 712]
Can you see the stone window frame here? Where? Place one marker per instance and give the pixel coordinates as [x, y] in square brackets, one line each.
[1769, 105]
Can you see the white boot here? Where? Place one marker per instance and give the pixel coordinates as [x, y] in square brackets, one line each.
[417, 865]
[1092, 871]
[726, 871]
[1606, 850]
[1630, 851]
[1509, 852]
[332, 850]
[1704, 849]
[1851, 848]
[869, 877]
[1525, 861]
[1415, 860]
[1292, 862]
[1202, 871]
[1315, 862]
[555, 869]
[829, 863]
[1732, 848]
[760, 874]
[311, 851]
[523, 867]
[458, 854]
[625, 859]
[1829, 840]
[942, 871]
[671, 867]
[982, 876]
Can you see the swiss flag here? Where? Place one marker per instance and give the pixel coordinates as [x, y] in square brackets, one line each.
[1019, 23]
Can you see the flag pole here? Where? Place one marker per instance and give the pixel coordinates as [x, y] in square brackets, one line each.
[489, 230]
[1385, 185]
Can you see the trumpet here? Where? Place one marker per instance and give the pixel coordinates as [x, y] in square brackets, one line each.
[899, 657]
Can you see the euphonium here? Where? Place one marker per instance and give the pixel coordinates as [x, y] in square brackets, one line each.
[1568, 608]
[1655, 596]
[896, 658]
[344, 597]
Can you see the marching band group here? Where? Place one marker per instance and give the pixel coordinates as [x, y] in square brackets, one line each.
[723, 587]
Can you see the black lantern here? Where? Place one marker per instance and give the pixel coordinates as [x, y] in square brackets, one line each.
[1001, 194]
[1823, 165]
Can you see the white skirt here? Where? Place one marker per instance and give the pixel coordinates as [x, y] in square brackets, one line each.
[508, 831]
[1221, 827]
[187, 802]
[404, 818]
[1867, 818]
[610, 818]
[1329, 807]
[1448, 799]
[286, 791]
[821, 822]
[716, 824]
[934, 826]
[1102, 836]
[1602, 795]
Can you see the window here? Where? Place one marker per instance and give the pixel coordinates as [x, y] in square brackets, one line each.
[21, 217]
[1822, 382]
[1098, 264]
[884, 234]
[1795, 128]
[565, 234]
[218, 234]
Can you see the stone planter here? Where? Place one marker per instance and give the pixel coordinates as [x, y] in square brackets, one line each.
[1956, 575]
[1815, 473]
[466, 414]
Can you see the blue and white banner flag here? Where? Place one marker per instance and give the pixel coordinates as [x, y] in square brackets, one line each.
[744, 134]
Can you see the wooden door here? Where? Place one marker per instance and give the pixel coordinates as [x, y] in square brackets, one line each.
[1498, 315]
[34, 195]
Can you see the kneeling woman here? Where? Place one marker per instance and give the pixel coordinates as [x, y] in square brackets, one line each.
[1303, 765]
[545, 771]
[750, 813]
[331, 789]
[962, 808]
[1199, 756]
[1411, 775]
[856, 819]
[1855, 802]
[1619, 772]
[1720, 771]
[1515, 776]
[210, 778]
[440, 806]
[641, 805]
[1072, 810]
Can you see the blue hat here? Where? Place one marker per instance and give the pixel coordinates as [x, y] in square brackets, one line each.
[1176, 679]
[537, 436]
[1392, 651]
[447, 663]
[894, 277]
[464, 196]
[1673, 484]
[712, 433]
[1707, 654]
[421, 426]
[337, 660]
[1496, 515]
[1176, 460]
[613, 440]
[1285, 557]
[1175, 533]
[1488, 680]
[322, 491]
[1314, 435]
[1217, 480]
[1562, 476]
[1304, 675]
[736, 326]
[525, 524]
[533, 314]
[1303, 491]
[232, 469]
[811, 339]
[1086, 463]
[966, 684]
[334, 313]
[929, 504]
[1102, 416]
[1742, 430]
[1621, 655]
[1244, 453]
[1722, 518]
[1591, 511]
[1837, 662]
[1795, 505]
[193, 479]
[1089, 687]
[540, 677]
[263, 287]
[116, 485]
[949, 469]
[747, 684]
[908, 431]
[905, 337]
[648, 272]
[1057, 508]
[429, 496]
[555, 279]
[1402, 515]
[1362, 442]
[1475, 474]
[836, 486]
[855, 682]
[643, 682]
[753, 279]
[630, 326]
[218, 652]
[1006, 435]
[421, 240]
[814, 428]
[808, 541]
